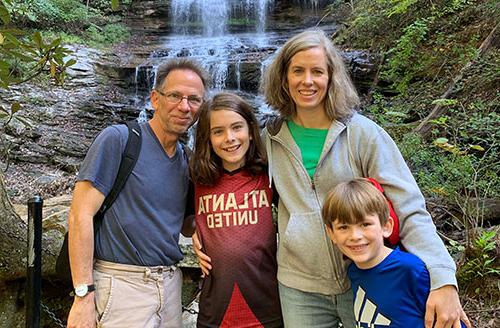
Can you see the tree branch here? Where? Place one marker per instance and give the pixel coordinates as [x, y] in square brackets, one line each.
[424, 127]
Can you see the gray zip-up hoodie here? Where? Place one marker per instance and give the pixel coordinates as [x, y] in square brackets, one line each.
[307, 259]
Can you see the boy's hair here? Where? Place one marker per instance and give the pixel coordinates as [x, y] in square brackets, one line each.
[349, 202]
[205, 166]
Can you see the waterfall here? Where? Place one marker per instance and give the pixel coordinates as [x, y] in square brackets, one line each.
[311, 4]
[228, 37]
[238, 75]
[213, 14]
[214, 47]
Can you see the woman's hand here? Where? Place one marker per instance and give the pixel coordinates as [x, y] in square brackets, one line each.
[444, 309]
[203, 259]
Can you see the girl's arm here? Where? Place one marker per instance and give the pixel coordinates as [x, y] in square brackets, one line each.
[203, 259]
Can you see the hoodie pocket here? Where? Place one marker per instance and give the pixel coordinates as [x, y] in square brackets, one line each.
[304, 245]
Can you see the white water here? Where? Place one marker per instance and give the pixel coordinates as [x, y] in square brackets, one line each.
[213, 14]
[223, 35]
[213, 47]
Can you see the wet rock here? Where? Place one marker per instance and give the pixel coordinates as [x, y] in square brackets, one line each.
[250, 76]
[185, 53]
[363, 67]
[120, 75]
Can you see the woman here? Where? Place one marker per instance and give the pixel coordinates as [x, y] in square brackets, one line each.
[318, 141]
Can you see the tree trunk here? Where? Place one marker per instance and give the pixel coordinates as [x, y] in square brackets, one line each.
[13, 242]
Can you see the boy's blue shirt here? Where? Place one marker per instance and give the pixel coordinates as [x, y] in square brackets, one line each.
[391, 294]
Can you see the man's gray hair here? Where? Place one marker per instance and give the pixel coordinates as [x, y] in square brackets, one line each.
[181, 64]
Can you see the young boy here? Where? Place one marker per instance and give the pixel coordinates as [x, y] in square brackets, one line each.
[390, 286]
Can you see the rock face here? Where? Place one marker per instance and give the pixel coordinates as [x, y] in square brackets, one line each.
[55, 225]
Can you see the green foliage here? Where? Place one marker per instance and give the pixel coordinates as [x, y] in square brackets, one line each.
[453, 170]
[401, 68]
[110, 34]
[452, 7]
[35, 54]
[19, 9]
[397, 6]
[412, 30]
[366, 22]
[480, 262]
[472, 127]
[382, 112]
[70, 15]
[73, 15]
[66, 38]
[104, 5]
[26, 57]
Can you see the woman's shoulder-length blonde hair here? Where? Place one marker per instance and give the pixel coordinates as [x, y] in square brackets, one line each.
[341, 98]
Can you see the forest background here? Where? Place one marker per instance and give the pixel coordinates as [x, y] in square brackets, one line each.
[436, 92]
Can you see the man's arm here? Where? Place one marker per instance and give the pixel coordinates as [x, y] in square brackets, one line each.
[188, 226]
[86, 202]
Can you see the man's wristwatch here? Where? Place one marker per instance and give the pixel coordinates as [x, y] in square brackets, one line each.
[82, 290]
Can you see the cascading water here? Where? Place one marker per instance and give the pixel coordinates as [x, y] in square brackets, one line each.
[213, 14]
[228, 37]
[214, 47]
[313, 4]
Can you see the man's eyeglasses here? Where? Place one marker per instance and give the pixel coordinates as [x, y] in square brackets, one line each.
[175, 98]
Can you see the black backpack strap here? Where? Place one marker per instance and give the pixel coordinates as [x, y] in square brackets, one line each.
[129, 158]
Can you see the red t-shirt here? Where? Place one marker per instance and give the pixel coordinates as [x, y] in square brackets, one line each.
[234, 222]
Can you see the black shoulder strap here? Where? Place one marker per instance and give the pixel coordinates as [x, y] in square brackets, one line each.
[187, 151]
[129, 158]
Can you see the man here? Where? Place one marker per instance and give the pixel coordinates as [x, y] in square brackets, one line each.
[136, 248]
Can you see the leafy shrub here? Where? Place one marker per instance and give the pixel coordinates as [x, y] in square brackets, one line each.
[110, 34]
[401, 67]
[384, 112]
[480, 262]
[456, 173]
[51, 14]
[398, 6]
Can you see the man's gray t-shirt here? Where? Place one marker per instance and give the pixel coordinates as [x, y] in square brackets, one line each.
[143, 224]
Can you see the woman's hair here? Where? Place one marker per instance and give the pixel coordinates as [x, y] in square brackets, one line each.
[349, 202]
[341, 98]
[205, 166]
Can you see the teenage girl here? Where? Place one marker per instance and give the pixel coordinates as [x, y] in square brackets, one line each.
[233, 218]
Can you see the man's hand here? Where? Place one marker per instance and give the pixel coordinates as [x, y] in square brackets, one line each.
[443, 309]
[203, 259]
[82, 313]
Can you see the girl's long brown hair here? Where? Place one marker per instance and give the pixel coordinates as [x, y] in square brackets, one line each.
[205, 166]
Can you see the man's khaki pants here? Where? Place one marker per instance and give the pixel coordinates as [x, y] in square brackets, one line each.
[135, 296]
